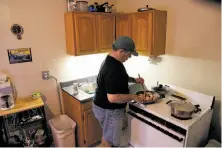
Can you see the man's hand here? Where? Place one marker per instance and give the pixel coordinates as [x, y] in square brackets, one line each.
[139, 80]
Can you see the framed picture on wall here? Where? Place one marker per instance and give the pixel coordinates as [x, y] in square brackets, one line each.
[19, 55]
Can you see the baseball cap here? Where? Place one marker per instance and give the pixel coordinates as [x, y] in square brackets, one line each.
[126, 43]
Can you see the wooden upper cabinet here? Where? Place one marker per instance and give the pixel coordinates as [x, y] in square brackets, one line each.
[106, 31]
[142, 32]
[90, 33]
[149, 32]
[159, 32]
[85, 28]
[80, 33]
[123, 25]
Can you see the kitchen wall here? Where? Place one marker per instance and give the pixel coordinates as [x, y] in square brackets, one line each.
[193, 55]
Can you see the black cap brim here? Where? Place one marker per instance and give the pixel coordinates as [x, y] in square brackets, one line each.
[134, 53]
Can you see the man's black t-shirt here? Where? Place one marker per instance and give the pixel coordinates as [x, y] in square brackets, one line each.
[112, 79]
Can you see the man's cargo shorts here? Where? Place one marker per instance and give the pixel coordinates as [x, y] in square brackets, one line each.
[111, 122]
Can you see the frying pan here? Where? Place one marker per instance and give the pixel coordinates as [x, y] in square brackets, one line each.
[148, 101]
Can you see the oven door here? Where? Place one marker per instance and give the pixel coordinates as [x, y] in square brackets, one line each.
[144, 133]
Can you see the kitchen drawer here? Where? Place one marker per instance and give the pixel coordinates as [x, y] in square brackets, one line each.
[87, 105]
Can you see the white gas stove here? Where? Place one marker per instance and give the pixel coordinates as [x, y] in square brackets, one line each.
[153, 124]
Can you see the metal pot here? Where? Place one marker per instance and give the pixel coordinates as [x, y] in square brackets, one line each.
[144, 9]
[182, 109]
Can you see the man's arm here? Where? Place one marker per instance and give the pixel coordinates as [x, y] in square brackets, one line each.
[135, 80]
[131, 79]
[123, 98]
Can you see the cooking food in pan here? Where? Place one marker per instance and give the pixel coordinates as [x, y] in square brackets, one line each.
[150, 96]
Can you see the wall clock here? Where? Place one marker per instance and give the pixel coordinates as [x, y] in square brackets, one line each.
[17, 30]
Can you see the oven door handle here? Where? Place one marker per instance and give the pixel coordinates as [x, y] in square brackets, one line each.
[137, 117]
[156, 127]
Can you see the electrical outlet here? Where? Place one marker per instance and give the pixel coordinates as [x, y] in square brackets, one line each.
[45, 75]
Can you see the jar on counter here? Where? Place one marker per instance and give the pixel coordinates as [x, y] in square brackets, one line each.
[75, 89]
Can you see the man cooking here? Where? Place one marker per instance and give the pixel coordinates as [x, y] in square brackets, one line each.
[112, 93]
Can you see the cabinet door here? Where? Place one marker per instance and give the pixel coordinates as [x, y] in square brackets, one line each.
[93, 130]
[72, 108]
[123, 25]
[142, 32]
[159, 32]
[85, 30]
[106, 31]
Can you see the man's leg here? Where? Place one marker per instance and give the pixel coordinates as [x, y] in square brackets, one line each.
[105, 143]
[113, 126]
[100, 114]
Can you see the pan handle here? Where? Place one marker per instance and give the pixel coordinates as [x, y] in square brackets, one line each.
[179, 97]
[169, 101]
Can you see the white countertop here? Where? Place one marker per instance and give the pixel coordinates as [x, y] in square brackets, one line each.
[83, 96]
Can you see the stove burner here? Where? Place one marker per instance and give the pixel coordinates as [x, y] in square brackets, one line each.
[181, 118]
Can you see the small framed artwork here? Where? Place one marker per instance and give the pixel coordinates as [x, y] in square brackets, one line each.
[19, 55]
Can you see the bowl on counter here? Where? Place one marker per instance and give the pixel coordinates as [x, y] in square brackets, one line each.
[35, 95]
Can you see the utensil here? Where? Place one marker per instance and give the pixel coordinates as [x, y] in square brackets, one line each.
[142, 86]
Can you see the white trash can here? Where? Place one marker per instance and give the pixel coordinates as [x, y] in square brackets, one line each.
[63, 131]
